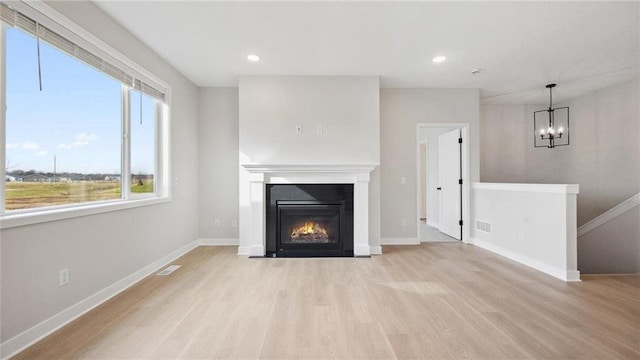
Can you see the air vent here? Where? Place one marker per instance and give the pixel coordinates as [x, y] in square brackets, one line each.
[483, 226]
[169, 269]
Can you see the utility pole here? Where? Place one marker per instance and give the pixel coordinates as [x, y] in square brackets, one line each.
[54, 168]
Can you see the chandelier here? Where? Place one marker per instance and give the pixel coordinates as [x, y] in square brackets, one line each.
[551, 126]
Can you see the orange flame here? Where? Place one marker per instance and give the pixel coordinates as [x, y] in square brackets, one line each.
[309, 228]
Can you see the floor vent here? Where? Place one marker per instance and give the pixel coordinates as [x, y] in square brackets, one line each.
[483, 226]
[169, 269]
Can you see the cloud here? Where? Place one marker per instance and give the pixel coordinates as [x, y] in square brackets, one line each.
[27, 145]
[30, 145]
[41, 153]
[81, 139]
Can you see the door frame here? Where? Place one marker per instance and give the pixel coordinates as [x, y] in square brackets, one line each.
[426, 180]
[466, 172]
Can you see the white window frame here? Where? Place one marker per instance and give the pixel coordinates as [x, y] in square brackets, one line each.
[126, 145]
[162, 184]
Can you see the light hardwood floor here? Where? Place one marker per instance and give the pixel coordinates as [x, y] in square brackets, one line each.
[429, 301]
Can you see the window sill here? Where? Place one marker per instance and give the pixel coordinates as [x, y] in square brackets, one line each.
[30, 218]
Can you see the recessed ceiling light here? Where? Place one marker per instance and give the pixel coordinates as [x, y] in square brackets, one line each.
[439, 59]
[253, 57]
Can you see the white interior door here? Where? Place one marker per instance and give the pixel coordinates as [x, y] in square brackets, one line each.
[449, 165]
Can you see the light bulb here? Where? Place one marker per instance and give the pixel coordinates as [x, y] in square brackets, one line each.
[560, 130]
[550, 130]
[542, 132]
[439, 59]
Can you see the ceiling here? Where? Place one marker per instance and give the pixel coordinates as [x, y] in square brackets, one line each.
[519, 46]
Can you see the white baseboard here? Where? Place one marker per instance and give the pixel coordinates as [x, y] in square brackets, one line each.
[376, 250]
[253, 250]
[218, 241]
[562, 274]
[362, 250]
[573, 276]
[30, 336]
[399, 241]
[610, 214]
[433, 224]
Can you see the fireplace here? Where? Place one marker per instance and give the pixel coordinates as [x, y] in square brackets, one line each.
[307, 220]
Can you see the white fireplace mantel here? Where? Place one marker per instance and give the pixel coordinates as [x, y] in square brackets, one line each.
[356, 174]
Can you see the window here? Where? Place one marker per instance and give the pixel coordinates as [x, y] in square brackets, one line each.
[81, 127]
[143, 119]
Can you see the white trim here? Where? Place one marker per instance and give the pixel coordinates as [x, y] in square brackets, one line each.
[218, 241]
[376, 250]
[261, 174]
[537, 188]
[3, 113]
[610, 214]
[562, 274]
[400, 241]
[9, 220]
[30, 336]
[309, 168]
[244, 250]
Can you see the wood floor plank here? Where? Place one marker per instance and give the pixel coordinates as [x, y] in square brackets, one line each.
[428, 301]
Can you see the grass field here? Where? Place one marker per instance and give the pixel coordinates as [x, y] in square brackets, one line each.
[26, 195]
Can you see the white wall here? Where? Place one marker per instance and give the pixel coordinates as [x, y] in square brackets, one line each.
[347, 107]
[604, 155]
[530, 223]
[101, 249]
[433, 171]
[400, 111]
[218, 167]
[505, 136]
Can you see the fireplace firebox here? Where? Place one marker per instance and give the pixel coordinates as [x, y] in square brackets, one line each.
[308, 220]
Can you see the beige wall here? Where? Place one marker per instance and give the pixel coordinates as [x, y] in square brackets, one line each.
[218, 154]
[400, 111]
[613, 248]
[604, 155]
[102, 249]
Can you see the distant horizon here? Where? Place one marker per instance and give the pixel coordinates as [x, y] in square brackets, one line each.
[38, 172]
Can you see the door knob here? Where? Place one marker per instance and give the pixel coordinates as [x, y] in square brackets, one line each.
[438, 188]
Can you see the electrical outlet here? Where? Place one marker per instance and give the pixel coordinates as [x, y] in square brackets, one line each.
[403, 222]
[403, 180]
[234, 223]
[63, 277]
[521, 235]
[319, 129]
[216, 223]
[298, 129]
[177, 181]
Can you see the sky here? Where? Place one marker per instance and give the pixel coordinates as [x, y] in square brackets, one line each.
[76, 117]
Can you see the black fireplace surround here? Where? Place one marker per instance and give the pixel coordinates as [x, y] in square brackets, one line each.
[309, 220]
